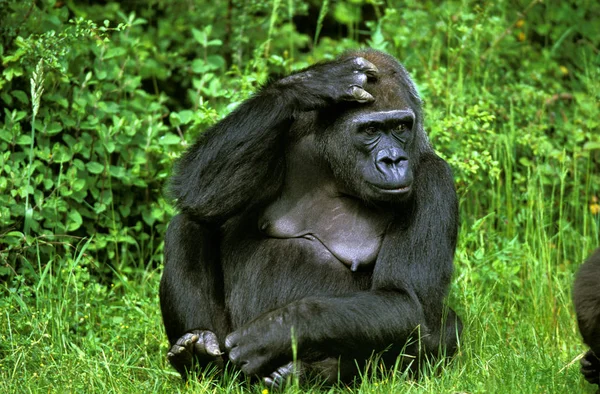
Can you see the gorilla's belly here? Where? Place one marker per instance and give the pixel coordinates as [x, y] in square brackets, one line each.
[300, 267]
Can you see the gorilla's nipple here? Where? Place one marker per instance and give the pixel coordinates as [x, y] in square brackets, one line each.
[263, 226]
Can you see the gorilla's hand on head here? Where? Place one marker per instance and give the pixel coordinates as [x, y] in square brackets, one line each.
[331, 83]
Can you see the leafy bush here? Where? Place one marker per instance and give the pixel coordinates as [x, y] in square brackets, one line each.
[99, 100]
[97, 139]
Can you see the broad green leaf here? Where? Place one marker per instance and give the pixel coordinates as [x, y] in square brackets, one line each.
[94, 167]
[169, 139]
[75, 220]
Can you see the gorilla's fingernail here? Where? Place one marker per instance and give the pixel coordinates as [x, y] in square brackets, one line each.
[362, 95]
[214, 350]
[372, 73]
[585, 362]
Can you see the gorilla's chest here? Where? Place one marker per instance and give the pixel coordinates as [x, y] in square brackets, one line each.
[311, 208]
[351, 234]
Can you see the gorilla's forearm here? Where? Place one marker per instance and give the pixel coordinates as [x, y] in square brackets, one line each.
[384, 317]
[353, 325]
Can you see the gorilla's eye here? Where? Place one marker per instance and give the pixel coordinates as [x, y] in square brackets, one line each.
[401, 128]
[370, 130]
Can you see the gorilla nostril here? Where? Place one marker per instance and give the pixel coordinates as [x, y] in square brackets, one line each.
[390, 156]
[389, 160]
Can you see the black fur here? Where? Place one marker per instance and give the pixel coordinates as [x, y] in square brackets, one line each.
[317, 210]
[586, 296]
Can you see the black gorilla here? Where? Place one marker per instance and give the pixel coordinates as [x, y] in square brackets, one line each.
[316, 212]
[586, 296]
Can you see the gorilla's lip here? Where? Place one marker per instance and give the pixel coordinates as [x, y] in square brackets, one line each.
[393, 189]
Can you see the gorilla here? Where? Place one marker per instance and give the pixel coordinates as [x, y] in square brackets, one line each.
[586, 297]
[317, 228]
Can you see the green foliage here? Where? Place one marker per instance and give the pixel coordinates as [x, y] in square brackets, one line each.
[98, 99]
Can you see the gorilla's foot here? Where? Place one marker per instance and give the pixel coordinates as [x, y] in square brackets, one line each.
[197, 347]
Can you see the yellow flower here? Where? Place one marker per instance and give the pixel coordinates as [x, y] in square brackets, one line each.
[594, 206]
[520, 23]
[521, 36]
[564, 70]
[265, 391]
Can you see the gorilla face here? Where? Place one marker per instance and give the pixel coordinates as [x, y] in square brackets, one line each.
[381, 139]
[369, 152]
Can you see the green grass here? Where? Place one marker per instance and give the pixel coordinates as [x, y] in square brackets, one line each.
[64, 332]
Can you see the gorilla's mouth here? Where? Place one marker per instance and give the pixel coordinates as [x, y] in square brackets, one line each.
[393, 189]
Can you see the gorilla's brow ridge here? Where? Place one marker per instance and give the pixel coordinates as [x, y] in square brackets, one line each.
[385, 116]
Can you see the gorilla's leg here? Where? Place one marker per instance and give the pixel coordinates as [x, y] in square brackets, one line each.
[191, 295]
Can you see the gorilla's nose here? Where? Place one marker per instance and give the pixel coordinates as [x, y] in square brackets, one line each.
[390, 157]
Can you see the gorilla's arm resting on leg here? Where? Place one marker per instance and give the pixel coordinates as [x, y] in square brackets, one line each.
[191, 262]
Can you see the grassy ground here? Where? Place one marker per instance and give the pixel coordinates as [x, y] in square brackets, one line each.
[85, 339]
[64, 332]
